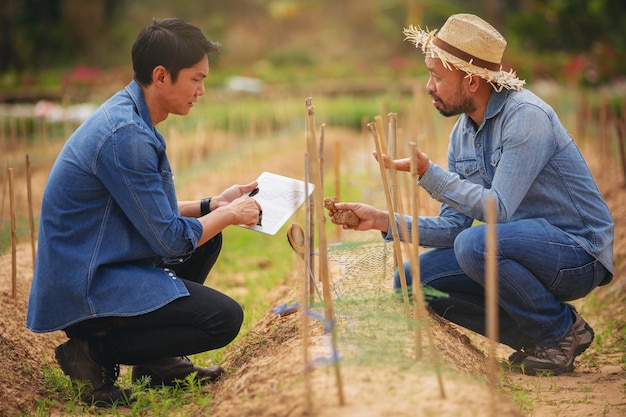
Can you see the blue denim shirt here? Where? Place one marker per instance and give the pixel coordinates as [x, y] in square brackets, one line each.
[523, 157]
[109, 214]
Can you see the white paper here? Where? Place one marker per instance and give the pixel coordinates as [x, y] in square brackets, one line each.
[279, 197]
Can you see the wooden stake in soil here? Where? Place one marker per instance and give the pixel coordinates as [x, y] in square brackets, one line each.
[310, 216]
[418, 299]
[392, 219]
[491, 293]
[31, 220]
[337, 173]
[620, 125]
[306, 295]
[323, 249]
[13, 236]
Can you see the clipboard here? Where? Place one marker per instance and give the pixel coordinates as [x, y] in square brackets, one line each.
[279, 197]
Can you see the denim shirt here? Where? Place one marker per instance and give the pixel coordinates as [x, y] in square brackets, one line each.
[523, 157]
[109, 214]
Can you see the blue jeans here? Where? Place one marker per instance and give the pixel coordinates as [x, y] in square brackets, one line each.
[539, 269]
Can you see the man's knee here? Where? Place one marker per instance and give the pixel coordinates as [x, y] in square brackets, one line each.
[469, 249]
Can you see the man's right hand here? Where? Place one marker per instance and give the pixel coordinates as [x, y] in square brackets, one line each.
[369, 217]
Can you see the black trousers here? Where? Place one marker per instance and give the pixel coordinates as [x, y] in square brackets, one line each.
[205, 320]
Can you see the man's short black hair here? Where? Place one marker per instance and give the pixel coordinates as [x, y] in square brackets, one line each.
[172, 43]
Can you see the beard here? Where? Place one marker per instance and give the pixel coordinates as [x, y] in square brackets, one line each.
[460, 103]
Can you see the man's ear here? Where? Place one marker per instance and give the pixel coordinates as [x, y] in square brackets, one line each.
[158, 75]
[473, 82]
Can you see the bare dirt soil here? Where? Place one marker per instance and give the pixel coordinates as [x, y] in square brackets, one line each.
[266, 373]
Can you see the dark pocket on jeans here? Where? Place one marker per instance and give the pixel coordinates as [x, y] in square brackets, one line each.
[575, 283]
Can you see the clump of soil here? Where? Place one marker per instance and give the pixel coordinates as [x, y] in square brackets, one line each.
[342, 217]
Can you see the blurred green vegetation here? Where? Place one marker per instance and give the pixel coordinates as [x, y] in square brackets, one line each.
[79, 44]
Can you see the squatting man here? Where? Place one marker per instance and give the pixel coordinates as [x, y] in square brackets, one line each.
[121, 264]
[554, 229]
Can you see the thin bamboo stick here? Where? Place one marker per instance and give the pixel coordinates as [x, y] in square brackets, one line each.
[392, 218]
[392, 151]
[491, 294]
[620, 125]
[310, 217]
[323, 249]
[337, 176]
[13, 236]
[31, 217]
[306, 295]
[419, 302]
[418, 299]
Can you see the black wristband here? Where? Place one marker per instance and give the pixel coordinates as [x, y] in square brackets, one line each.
[205, 206]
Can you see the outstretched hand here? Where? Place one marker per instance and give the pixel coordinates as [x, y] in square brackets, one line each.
[369, 217]
[404, 164]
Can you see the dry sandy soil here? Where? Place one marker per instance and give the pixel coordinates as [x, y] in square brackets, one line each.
[266, 374]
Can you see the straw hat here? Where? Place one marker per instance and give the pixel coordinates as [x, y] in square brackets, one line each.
[469, 44]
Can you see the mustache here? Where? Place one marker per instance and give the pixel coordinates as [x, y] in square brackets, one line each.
[434, 96]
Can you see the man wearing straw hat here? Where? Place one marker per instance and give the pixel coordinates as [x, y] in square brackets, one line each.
[554, 229]
[121, 263]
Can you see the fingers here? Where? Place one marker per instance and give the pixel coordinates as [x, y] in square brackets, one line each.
[248, 187]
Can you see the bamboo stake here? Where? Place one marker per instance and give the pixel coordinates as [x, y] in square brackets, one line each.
[308, 238]
[323, 249]
[13, 236]
[31, 220]
[4, 193]
[392, 151]
[418, 300]
[337, 176]
[310, 217]
[392, 218]
[620, 126]
[380, 133]
[321, 155]
[491, 293]
[306, 295]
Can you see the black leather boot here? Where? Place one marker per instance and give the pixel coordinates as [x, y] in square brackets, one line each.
[94, 381]
[167, 371]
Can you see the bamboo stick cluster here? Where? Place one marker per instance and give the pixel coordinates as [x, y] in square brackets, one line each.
[13, 224]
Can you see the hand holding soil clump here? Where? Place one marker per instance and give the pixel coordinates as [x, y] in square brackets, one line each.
[342, 217]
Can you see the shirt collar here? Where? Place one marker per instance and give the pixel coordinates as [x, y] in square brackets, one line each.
[496, 103]
[494, 106]
[136, 94]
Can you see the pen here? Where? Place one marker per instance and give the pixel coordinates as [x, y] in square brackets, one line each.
[252, 194]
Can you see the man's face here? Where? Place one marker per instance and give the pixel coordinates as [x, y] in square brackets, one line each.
[447, 88]
[182, 94]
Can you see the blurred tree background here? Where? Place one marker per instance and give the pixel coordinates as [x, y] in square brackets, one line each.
[58, 43]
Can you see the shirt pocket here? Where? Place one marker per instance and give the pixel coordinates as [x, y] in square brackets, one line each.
[167, 177]
[495, 157]
[466, 168]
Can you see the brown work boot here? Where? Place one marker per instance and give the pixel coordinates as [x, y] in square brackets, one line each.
[167, 371]
[94, 382]
[517, 357]
[560, 358]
